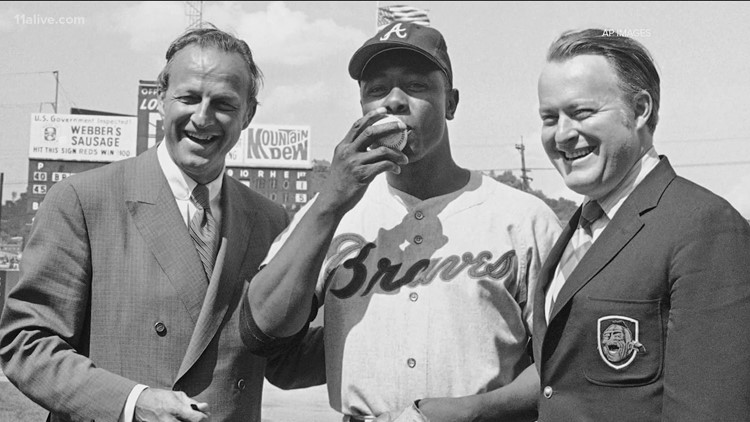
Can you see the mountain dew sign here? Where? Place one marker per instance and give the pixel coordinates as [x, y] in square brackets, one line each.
[272, 146]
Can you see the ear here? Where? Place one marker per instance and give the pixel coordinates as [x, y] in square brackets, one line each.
[249, 115]
[643, 107]
[451, 103]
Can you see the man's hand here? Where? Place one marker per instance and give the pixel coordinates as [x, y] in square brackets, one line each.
[445, 409]
[412, 414]
[154, 405]
[354, 166]
[385, 417]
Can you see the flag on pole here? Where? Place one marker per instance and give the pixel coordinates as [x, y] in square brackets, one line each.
[401, 13]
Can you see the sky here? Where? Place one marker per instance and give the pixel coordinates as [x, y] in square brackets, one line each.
[101, 50]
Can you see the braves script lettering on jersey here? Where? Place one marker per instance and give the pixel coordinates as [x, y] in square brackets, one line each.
[430, 298]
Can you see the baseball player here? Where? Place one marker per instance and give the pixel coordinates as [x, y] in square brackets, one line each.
[426, 269]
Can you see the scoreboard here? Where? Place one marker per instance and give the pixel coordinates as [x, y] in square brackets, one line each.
[45, 173]
[289, 187]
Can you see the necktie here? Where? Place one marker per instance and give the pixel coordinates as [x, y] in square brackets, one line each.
[577, 248]
[591, 212]
[203, 229]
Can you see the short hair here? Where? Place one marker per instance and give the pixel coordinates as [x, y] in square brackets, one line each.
[630, 59]
[211, 36]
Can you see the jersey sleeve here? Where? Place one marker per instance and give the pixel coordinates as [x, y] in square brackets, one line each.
[541, 232]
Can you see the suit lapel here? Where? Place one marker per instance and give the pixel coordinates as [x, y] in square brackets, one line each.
[624, 226]
[155, 214]
[226, 282]
[546, 274]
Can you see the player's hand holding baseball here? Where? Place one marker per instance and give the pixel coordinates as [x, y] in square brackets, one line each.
[355, 165]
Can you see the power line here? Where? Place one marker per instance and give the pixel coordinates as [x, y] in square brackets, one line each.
[725, 163]
[689, 141]
[67, 96]
[22, 105]
[508, 142]
[26, 73]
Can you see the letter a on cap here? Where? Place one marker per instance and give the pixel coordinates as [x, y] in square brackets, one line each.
[400, 32]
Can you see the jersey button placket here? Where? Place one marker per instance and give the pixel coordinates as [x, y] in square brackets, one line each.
[419, 215]
[414, 296]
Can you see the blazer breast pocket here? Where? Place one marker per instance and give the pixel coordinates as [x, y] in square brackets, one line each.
[625, 342]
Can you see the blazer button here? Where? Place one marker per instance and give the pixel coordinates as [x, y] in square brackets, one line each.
[160, 329]
[548, 392]
[241, 384]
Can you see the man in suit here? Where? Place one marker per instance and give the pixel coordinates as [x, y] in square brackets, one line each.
[128, 303]
[642, 303]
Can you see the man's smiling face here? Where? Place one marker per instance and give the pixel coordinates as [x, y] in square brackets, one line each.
[205, 109]
[588, 131]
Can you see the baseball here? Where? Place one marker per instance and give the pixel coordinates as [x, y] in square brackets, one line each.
[394, 138]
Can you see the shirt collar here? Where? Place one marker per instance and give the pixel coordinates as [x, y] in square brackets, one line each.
[179, 182]
[612, 202]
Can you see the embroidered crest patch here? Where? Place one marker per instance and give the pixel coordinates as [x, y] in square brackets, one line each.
[618, 340]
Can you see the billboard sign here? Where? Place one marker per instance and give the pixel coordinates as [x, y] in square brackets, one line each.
[71, 137]
[150, 130]
[272, 146]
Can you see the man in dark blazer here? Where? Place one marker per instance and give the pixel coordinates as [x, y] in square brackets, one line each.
[116, 316]
[641, 311]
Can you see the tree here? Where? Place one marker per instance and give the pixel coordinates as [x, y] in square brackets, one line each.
[15, 218]
[563, 208]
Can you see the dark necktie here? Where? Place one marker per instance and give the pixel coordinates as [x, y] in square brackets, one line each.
[203, 229]
[591, 212]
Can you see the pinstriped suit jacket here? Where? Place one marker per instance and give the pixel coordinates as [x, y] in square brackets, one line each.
[112, 293]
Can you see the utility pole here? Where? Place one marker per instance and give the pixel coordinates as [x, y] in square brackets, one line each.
[57, 85]
[525, 179]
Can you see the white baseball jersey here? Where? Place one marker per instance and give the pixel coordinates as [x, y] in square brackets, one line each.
[430, 298]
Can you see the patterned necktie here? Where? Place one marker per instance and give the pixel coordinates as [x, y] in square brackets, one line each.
[203, 229]
[579, 245]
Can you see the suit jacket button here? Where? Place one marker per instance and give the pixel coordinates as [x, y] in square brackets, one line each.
[241, 384]
[160, 329]
[548, 392]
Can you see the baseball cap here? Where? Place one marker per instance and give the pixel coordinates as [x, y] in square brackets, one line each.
[422, 39]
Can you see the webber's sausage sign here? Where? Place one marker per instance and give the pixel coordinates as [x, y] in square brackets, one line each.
[272, 146]
[73, 137]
